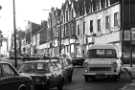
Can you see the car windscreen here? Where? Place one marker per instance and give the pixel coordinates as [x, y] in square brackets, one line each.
[102, 53]
[35, 67]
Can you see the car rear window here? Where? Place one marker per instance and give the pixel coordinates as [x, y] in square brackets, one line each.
[39, 67]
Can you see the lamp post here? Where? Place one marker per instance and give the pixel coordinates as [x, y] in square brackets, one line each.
[14, 25]
[60, 39]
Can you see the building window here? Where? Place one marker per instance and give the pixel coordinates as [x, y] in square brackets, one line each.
[78, 30]
[91, 26]
[107, 22]
[83, 27]
[67, 16]
[116, 23]
[102, 3]
[99, 25]
[72, 14]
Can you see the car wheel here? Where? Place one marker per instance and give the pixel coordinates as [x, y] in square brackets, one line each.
[60, 85]
[86, 78]
[47, 86]
[22, 87]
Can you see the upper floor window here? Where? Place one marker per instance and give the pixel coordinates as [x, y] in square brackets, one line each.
[107, 22]
[116, 22]
[102, 3]
[78, 30]
[66, 15]
[83, 27]
[72, 14]
[91, 26]
[99, 25]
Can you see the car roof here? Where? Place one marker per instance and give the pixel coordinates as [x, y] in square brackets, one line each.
[34, 61]
[103, 46]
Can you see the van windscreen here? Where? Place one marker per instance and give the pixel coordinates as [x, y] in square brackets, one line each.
[102, 53]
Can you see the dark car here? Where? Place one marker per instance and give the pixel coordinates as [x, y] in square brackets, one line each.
[11, 80]
[78, 61]
[44, 74]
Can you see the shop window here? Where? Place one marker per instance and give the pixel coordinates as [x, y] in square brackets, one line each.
[133, 55]
[126, 54]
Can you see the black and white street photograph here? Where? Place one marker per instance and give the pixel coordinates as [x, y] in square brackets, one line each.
[67, 44]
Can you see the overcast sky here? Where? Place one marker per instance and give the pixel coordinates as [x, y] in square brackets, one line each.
[33, 10]
[26, 10]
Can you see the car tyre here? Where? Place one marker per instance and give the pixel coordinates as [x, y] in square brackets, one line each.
[70, 78]
[60, 85]
[86, 78]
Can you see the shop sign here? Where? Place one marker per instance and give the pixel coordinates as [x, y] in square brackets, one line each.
[126, 35]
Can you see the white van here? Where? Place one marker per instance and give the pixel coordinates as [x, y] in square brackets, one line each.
[102, 61]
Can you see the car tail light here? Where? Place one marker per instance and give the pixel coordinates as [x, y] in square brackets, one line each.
[85, 64]
[86, 70]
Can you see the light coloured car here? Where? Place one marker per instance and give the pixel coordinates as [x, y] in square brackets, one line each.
[102, 61]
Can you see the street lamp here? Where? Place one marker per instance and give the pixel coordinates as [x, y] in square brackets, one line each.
[0, 7]
[14, 25]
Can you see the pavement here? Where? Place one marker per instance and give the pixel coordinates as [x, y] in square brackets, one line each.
[130, 86]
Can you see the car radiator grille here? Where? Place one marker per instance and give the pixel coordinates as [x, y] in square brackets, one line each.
[100, 68]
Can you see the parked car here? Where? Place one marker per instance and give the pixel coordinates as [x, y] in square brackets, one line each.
[11, 80]
[78, 61]
[102, 61]
[44, 73]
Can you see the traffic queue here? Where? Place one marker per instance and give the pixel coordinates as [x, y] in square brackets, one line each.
[43, 73]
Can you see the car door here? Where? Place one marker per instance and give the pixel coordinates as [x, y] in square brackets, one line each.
[9, 79]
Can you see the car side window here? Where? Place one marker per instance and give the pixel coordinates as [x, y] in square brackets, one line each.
[7, 70]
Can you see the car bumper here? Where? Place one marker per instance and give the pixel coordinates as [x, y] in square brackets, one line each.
[102, 74]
